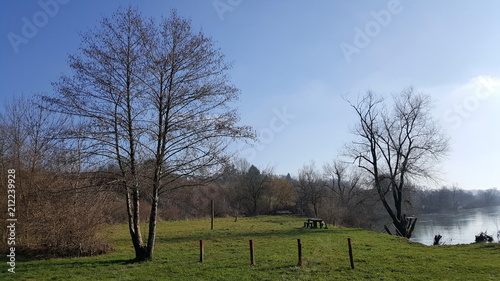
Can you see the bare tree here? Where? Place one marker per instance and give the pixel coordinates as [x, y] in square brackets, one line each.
[104, 93]
[348, 198]
[396, 145]
[157, 101]
[251, 186]
[311, 187]
[342, 181]
[191, 96]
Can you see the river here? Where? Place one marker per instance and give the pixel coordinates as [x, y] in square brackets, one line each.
[459, 227]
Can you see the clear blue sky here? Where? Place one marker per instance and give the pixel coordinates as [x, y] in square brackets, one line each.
[295, 60]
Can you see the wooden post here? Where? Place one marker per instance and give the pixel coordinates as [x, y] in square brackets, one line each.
[252, 256]
[299, 246]
[350, 252]
[237, 212]
[212, 214]
[202, 250]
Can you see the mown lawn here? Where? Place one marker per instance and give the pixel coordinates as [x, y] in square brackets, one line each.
[325, 254]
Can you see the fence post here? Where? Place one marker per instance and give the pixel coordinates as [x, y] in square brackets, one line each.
[350, 253]
[252, 256]
[299, 245]
[212, 214]
[202, 250]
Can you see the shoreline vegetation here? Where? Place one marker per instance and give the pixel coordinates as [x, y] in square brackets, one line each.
[226, 255]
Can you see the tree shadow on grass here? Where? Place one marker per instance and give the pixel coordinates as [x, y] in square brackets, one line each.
[236, 234]
[80, 263]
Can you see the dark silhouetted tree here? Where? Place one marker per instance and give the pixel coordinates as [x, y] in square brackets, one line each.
[395, 145]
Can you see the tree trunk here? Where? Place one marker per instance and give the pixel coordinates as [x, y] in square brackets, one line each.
[255, 206]
[315, 210]
[133, 224]
[152, 224]
[404, 226]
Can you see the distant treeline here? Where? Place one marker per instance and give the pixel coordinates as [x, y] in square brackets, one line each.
[454, 198]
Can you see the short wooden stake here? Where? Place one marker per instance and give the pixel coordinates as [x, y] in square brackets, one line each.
[252, 256]
[212, 214]
[350, 252]
[202, 250]
[299, 246]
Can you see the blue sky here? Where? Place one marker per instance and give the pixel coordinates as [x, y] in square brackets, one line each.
[294, 61]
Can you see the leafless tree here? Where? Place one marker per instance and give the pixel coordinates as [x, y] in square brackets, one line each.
[396, 145]
[157, 101]
[342, 181]
[251, 186]
[349, 198]
[311, 187]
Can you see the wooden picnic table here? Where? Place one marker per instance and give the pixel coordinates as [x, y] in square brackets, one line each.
[313, 223]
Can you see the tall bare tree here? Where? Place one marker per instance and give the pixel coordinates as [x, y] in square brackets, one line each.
[395, 145]
[311, 187]
[157, 101]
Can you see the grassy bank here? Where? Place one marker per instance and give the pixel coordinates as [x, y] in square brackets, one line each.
[325, 255]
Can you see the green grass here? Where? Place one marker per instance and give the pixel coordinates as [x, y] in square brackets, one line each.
[325, 254]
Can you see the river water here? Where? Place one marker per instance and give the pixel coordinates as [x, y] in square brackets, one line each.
[459, 227]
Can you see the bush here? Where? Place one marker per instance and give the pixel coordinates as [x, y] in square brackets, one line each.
[58, 216]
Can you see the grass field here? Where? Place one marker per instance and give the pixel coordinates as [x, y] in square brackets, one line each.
[325, 254]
